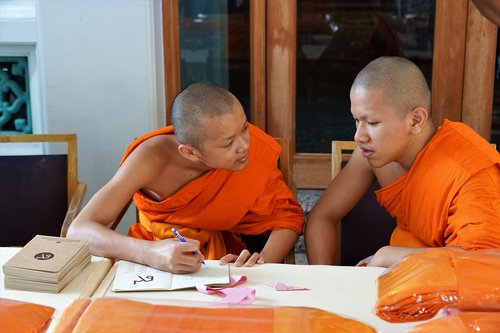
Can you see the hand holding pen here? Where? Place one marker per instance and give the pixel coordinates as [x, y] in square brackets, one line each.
[179, 237]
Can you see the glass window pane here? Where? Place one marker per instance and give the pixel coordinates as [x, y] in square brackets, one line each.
[215, 45]
[335, 40]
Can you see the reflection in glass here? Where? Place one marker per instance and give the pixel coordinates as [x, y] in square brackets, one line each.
[335, 39]
[215, 45]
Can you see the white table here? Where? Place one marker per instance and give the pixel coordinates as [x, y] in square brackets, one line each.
[346, 291]
[83, 285]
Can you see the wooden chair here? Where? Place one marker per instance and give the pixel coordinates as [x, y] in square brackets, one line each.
[368, 226]
[40, 193]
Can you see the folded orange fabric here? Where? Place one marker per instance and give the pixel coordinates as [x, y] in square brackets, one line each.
[462, 322]
[427, 281]
[24, 317]
[71, 315]
[251, 201]
[126, 316]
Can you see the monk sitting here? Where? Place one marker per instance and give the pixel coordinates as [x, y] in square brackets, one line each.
[441, 184]
[213, 178]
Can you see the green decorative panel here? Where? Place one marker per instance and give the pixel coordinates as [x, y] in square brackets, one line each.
[15, 108]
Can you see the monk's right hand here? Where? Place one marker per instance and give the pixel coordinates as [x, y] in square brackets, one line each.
[173, 256]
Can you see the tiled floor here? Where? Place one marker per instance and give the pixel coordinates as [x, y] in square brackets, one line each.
[307, 199]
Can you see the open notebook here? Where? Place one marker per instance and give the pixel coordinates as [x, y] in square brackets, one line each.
[136, 277]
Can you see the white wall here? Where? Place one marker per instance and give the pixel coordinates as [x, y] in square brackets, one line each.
[98, 66]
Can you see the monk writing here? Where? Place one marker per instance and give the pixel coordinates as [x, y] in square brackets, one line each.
[441, 184]
[212, 176]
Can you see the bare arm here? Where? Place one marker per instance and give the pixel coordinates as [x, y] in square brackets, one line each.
[338, 199]
[93, 222]
[276, 249]
[278, 246]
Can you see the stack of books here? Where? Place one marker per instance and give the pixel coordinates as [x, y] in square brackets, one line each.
[46, 264]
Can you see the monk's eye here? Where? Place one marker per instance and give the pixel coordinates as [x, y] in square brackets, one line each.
[373, 123]
[228, 145]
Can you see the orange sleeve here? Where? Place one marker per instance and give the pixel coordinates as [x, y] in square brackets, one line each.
[474, 214]
[275, 208]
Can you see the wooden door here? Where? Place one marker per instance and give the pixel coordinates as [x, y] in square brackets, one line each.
[463, 64]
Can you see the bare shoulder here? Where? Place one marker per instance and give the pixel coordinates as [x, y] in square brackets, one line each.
[148, 159]
[389, 173]
[345, 189]
[155, 150]
[157, 144]
[358, 174]
[358, 163]
[156, 168]
[358, 166]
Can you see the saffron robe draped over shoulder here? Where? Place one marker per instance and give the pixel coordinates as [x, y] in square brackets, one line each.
[253, 201]
[451, 194]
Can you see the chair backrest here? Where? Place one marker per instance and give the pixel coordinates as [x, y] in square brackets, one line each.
[40, 192]
[368, 226]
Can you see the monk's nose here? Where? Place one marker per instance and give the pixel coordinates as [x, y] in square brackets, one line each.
[243, 144]
[360, 135]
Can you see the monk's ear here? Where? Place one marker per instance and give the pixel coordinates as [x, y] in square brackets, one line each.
[188, 152]
[419, 118]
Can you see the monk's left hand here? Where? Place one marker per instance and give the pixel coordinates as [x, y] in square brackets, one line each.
[245, 258]
[387, 256]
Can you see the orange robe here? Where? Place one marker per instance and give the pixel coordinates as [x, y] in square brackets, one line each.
[111, 315]
[451, 194]
[251, 201]
[462, 322]
[432, 279]
[24, 317]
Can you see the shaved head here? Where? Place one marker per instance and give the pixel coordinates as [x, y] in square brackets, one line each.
[402, 83]
[197, 102]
